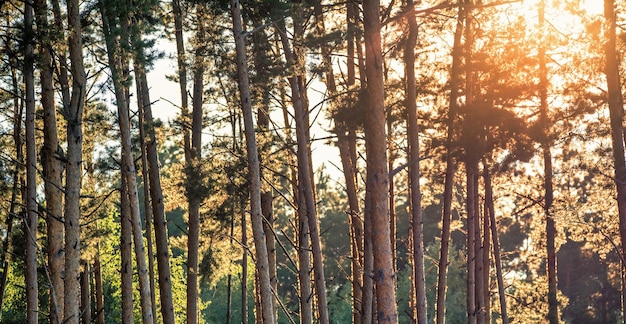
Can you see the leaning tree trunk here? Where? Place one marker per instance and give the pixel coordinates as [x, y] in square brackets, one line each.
[490, 210]
[52, 167]
[156, 198]
[377, 172]
[256, 216]
[616, 109]
[115, 57]
[30, 224]
[74, 117]
[455, 71]
[305, 182]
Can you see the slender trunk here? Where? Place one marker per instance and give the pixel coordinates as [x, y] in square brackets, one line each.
[52, 168]
[486, 248]
[417, 223]
[156, 198]
[478, 247]
[305, 182]
[97, 276]
[85, 294]
[148, 215]
[126, 242]
[368, 260]
[302, 232]
[194, 172]
[74, 117]
[471, 169]
[182, 75]
[129, 172]
[496, 245]
[244, 269]
[30, 224]
[553, 310]
[267, 314]
[17, 180]
[471, 254]
[455, 71]
[377, 172]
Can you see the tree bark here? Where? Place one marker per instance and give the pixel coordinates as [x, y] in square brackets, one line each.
[194, 175]
[156, 198]
[417, 223]
[490, 210]
[305, 182]
[52, 167]
[74, 117]
[30, 224]
[455, 72]
[267, 314]
[126, 269]
[377, 172]
[85, 294]
[116, 65]
[147, 207]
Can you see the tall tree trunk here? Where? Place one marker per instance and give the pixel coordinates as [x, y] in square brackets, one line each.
[156, 197]
[305, 181]
[377, 172]
[74, 117]
[126, 242]
[490, 210]
[346, 142]
[129, 172]
[417, 223]
[471, 169]
[194, 173]
[147, 207]
[182, 75]
[267, 314]
[305, 295]
[455, 72]
[85, 294]
[244, 270]
[52, 167]
[30, 224]
[553, 310]
[486, 248]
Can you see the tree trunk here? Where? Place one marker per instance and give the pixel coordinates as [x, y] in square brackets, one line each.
[417, 223]
[490, 210]
[148, 215]
[116, 65]
[74, 117]
[194, 172]
[377, 172]
[244, 269]
[253, 167]
[97, 274]
[156, 198]
[305, 182]
[52, 168]
[85, 294]
[30, 224]
[553, 310]
[455, 72]
[126, 241]
[182, 75]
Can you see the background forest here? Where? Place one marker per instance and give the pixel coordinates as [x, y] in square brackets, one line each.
[288, 161]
